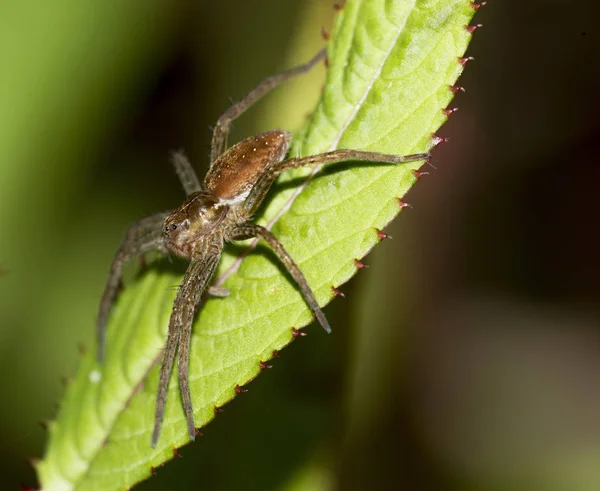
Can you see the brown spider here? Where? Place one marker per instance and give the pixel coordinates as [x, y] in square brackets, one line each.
[212, 215]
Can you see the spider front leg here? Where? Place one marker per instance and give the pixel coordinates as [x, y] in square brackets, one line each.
[142, 236]
[190, 291]
[185, 172]
[251, 230]
[260, 189]
[219, 138]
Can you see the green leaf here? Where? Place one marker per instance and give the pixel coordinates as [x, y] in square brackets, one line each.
[391, 65]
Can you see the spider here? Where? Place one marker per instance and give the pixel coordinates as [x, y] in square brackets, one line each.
[214, 213]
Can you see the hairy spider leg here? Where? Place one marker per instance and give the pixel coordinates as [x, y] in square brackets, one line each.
[188, 296]
[260, 189]
[249, 231]
[219, 138]
[141, 237]
[185, 172]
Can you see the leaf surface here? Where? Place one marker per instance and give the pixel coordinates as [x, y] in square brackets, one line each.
[390, 67]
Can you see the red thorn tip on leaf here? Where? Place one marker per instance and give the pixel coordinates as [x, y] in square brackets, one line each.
[326, 61]
[382, 235]
[176, 453]
[325, 34]
[336, 292]
[297, 333]
[403, 204]
[463, 61]
[240, 390]
[199, 433]
[153, 471]
[456, 88]
[449, 112]
[418, 174]
[360, 264]
[471, 29]
[263, 365]
[337, 6]
[477, 6]
[218, 410]
[438, 140]
[275, 354]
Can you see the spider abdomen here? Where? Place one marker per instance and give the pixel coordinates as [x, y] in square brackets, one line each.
[234, 174]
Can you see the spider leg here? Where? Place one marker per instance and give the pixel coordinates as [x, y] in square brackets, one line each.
[264, 183]
[249, 230]
[142, 236]
[219, 138]
[194, 283]
[185, 172]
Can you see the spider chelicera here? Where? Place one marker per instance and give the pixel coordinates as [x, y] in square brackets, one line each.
[213, 214]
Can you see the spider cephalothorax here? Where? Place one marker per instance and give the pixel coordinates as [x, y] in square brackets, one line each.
[212, 215]
[199, 216]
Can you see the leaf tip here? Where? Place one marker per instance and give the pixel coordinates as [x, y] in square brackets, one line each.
[476, 6]
[438, 140]
[382, 235]
[455, 88]
[263, 365]
[473, 28]
[403, 204]
[465, 60]
[419, 173]
[296, 333]
[337, 293]
[449, 112]
[360, 264]
[239, 389]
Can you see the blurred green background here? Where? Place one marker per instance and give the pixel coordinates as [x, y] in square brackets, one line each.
[467, 357]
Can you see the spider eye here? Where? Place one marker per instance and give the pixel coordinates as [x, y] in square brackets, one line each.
[173, 227]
